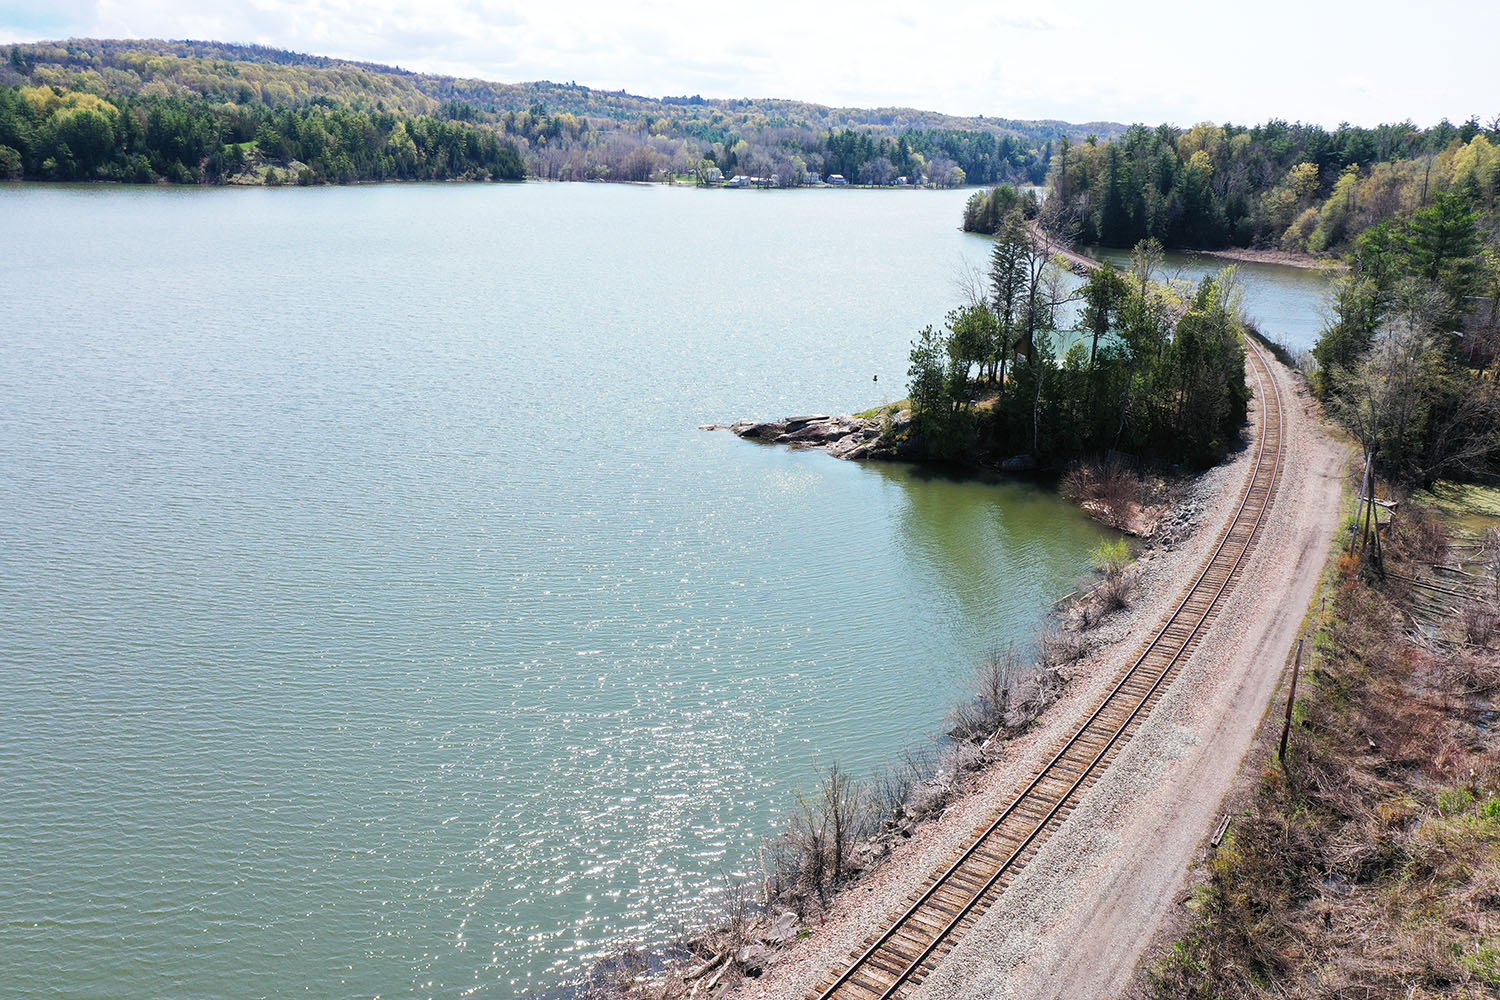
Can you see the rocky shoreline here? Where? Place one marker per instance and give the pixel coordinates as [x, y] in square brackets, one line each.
[753, 946]
[754, 950]
[847, 437]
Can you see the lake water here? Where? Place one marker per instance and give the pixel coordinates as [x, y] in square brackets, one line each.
[375, 621]
[1288, 304]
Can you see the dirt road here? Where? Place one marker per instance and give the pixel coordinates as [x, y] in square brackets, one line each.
[1077, 927]
[1077, 921]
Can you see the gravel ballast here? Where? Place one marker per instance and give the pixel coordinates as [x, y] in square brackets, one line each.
[1078, 917]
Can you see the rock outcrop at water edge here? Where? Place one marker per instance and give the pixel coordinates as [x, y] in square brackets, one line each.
[854, 438]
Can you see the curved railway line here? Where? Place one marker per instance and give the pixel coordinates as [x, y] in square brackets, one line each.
[896, 961]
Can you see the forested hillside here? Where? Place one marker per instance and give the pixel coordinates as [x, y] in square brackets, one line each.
[559, 131]
[1297, 187]
[78, 135]
[1408, 357]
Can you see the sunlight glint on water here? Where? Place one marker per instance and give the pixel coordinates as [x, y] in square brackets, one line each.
[375, 621]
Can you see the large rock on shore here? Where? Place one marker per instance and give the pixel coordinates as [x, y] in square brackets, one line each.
[842, 437]
[1020, 463]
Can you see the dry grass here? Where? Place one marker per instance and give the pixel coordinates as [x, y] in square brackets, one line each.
[1370, 866]
[1111, 491]
[984, 712]
[1417, 536]
[1478, 622]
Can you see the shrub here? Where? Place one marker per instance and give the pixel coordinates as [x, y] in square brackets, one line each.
[1109, 489]
[1114, 593]
[1111, 557]
[983, 713]
[811, 855]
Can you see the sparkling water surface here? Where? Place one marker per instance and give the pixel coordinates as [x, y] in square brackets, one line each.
[376, 622]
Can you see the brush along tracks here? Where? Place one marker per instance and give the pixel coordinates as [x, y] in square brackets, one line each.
[896, 961]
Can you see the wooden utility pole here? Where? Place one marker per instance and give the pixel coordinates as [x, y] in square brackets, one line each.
[1365, 536]
[1368, 510]
[1364, 491]
[1371, 536]
[1291, 697]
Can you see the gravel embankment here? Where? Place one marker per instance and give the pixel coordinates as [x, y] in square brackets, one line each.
[1076, 920]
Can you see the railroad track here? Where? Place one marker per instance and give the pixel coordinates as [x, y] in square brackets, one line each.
[895, 961]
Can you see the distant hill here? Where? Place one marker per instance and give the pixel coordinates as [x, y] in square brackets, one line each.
[244, 73]
[263, 115]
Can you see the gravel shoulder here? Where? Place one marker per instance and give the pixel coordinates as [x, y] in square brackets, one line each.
[1077, 921]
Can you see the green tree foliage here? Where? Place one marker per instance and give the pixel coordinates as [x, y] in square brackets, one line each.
[979, 157]
[1135, 383]
[1440, 245]
[77, 135]
[936, 398]
[1206, 345]
[1104, 296]
[1356, 313]
[1296, 187]
[83, 138]
[972, 343]
[1338, 213]
[986, 211]
[1009, 272]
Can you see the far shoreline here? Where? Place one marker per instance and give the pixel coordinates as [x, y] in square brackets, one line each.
[1286, 258]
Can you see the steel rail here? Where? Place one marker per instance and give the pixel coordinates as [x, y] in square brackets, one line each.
[1264, 377]
[1006, 865]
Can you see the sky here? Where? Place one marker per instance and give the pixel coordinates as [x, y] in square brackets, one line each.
[1322, 61]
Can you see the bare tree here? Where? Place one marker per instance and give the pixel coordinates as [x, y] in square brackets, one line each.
[845, 802]
[984, 712]
[1406, 402]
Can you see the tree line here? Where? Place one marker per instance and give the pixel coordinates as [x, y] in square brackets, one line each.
[245, 73]
[564, 131]
[49, 133]
[986, 211]
[1153, 371]
[1287, 186]
[1407, 359]
[948, 157]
